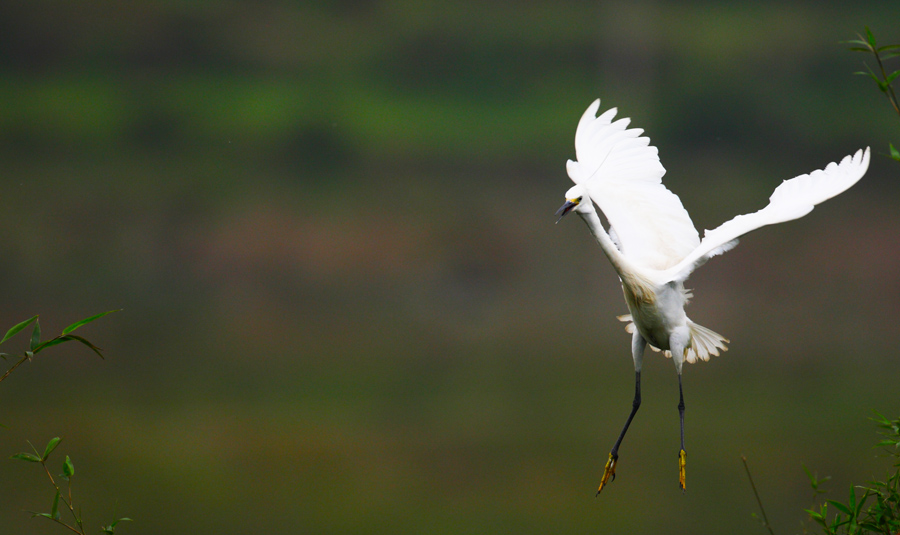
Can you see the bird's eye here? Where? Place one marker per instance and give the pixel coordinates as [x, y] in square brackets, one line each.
[578, 199]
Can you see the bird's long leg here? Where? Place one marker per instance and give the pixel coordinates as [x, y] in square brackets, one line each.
[637, 349]
[681, 455]
[676, 346]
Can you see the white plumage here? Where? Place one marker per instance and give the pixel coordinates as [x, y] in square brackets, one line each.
[623, 175]
[652, 242]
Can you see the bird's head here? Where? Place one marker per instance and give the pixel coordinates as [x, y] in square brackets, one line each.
[577, 200]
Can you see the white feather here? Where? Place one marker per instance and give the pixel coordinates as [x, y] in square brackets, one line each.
[623, 176]
[655, 247]
[793, 199]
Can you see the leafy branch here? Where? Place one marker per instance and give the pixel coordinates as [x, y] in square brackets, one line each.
[68, 470]
[36, 346]
[877, 509]
[882, 78]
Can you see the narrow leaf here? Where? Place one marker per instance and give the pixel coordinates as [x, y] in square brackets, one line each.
[78, 324]
[54, 509]
[861, 502]
[50, 447]
[110, 529]
[895, 154]
[45, 515]
[888, 47]
[52, 342]
[893, 75]
[15, 330]
[96, 349]
[36, 335]
[869, 37]
[26, 457]
[68, 467]
[840, 507]
[812, 478]
[857, 42]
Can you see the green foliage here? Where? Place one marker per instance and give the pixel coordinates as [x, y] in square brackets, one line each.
[882, 78]
[15, 329]
[68, 467]
[78, 324]
[872, 508]
[68, 471]
[111, 528]
[36, 346]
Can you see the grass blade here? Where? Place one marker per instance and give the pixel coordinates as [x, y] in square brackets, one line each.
[54, 509]
[78, 324]
[26, 457]
[15, 330]
[841, 507]
[51, 446]
[68, 468]
[36, 335]
[95, 349]
[52, 342]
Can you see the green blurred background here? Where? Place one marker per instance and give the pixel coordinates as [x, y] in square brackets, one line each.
[347, 308]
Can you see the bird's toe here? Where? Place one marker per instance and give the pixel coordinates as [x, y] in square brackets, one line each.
[609, 471]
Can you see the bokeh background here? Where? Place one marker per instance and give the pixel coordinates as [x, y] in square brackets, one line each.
[347, 308]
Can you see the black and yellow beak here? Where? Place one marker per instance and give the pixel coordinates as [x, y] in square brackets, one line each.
[566, 208]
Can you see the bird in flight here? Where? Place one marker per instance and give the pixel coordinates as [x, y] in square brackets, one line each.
[654, 247]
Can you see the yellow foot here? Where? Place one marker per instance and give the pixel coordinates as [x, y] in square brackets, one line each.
[609, 471]
[681, 463]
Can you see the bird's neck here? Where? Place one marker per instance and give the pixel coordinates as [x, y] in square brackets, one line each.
[616, 258]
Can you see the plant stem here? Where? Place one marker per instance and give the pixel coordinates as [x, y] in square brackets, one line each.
[16, 365]
[70, 528]
[758, 501]
[68, 503]
[891, 96]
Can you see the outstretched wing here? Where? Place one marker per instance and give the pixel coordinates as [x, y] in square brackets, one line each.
[793, 199]
[623, 176]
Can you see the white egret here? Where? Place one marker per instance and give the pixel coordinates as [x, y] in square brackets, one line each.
[654, 247]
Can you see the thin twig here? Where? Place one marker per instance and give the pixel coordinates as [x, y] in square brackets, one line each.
[16, 365]
[888, 89]
[891, 96]
[68, 502]
[70, 528]
[758, 501]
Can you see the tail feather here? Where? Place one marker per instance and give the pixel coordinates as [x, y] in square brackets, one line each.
[704, 342]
